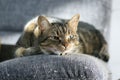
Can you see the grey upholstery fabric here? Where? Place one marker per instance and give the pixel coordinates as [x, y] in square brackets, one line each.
[50, 67]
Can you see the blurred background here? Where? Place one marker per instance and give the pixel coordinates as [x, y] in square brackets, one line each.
[114, 47]
[103, 14]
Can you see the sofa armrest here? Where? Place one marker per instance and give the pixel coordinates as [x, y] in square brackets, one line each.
[51, 67]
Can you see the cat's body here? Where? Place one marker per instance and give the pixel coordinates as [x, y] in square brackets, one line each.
[61, 37]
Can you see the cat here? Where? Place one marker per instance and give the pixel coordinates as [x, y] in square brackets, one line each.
[40, 36]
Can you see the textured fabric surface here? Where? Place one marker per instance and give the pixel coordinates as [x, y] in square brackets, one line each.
[50, 67]
[14, 14]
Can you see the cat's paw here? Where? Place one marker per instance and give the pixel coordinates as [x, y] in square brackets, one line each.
[105, 57]
[19, 52]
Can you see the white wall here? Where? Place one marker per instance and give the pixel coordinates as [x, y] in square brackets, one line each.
[114, 47]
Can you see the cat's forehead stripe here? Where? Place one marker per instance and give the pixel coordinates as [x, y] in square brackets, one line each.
[60, 28]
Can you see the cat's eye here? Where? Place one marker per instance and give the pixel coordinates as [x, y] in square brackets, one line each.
[54, 37]
[72, 36]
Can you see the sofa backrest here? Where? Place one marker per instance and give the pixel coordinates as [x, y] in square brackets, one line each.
[14, 14]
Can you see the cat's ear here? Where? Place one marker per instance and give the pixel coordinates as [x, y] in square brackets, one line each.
[73, 22]
[43, 23]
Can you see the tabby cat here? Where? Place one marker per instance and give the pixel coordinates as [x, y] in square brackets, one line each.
[61, 38]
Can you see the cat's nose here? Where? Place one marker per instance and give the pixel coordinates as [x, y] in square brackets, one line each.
[65, 45]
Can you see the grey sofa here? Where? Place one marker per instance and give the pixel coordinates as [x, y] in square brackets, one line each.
[14, 14]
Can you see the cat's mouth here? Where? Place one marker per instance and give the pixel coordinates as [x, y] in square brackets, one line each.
[53, 50]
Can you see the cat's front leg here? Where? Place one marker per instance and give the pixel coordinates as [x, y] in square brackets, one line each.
[21, 51]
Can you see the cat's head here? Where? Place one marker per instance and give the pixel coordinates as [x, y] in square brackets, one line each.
[58, 37]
